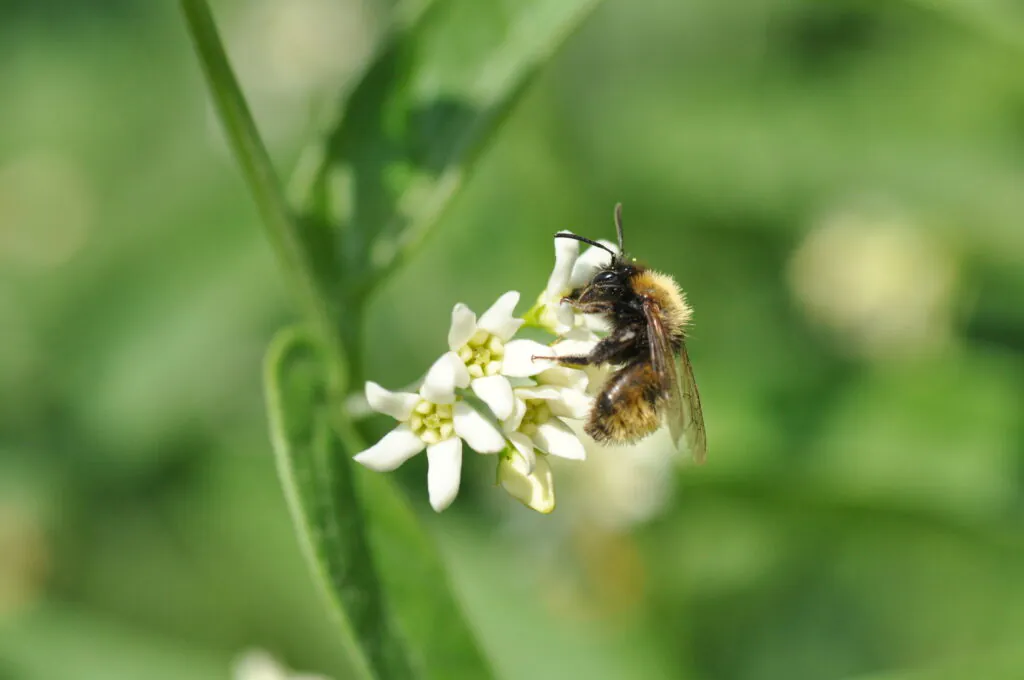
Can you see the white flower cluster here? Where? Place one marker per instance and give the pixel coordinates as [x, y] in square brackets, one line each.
[488, 392]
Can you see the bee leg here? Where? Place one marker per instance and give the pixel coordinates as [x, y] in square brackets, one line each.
[573, 360]
[609, 350]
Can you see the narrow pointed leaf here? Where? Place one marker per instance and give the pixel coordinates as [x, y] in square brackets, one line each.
[377, 565]
[316, 472]
[420, 115]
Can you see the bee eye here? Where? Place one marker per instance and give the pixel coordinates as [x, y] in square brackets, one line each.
[604, 277]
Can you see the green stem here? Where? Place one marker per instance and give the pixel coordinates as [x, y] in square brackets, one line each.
[264, 184]
[350, 333]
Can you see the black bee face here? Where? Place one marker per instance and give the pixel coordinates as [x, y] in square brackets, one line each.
[609, 285]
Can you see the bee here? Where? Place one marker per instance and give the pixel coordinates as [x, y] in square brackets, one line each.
[648, 316]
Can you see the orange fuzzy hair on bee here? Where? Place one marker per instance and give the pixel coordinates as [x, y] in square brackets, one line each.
[663, 290]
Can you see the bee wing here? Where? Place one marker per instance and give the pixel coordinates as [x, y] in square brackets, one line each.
[682, 409]
[691, 418]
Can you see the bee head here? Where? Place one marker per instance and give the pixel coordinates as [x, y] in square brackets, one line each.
[611, 283]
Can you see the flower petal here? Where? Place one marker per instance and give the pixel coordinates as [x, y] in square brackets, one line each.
[447, 373]
[517, 361]
[480, 433]
[597, 376]
[538, 392]
[512, 423]
[567, 250]
[392, 450]
[571, 403]
[581, 333]
[589, 262]
[563, 376]
[564, 317]
[463, 326]
[398, 405]
[573, 346]
[596, 323]
[556, 438]
[524, 445]
[499, 320]
[444, 472]
[536, 490]
[557, 317]
[496, 392]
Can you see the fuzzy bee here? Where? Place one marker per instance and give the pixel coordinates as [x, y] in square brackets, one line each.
[648, 315]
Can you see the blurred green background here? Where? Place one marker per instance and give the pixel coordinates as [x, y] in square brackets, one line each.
[839, 186]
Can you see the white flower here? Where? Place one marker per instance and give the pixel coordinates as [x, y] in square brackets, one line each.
[537, 422]
[257, 664]
[552, 313]
[481, 356]
[439, 423]
[571, 271]
[534, 486]
[536, 429]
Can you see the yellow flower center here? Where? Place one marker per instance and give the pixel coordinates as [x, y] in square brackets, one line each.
[537, 413]
[482, 354]
[432, 422]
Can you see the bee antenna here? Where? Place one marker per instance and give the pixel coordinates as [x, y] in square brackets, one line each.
[591, 242]
[618, 225]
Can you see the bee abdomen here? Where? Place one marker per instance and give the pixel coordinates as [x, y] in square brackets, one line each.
[626, 410]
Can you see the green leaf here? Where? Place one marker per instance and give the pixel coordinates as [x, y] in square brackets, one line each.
[429, 614]
[416, 632]
[418, 118]
[316, 472]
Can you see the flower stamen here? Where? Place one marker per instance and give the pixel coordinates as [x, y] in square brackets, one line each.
[432, 422]
[482, 354]
[537, 413]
